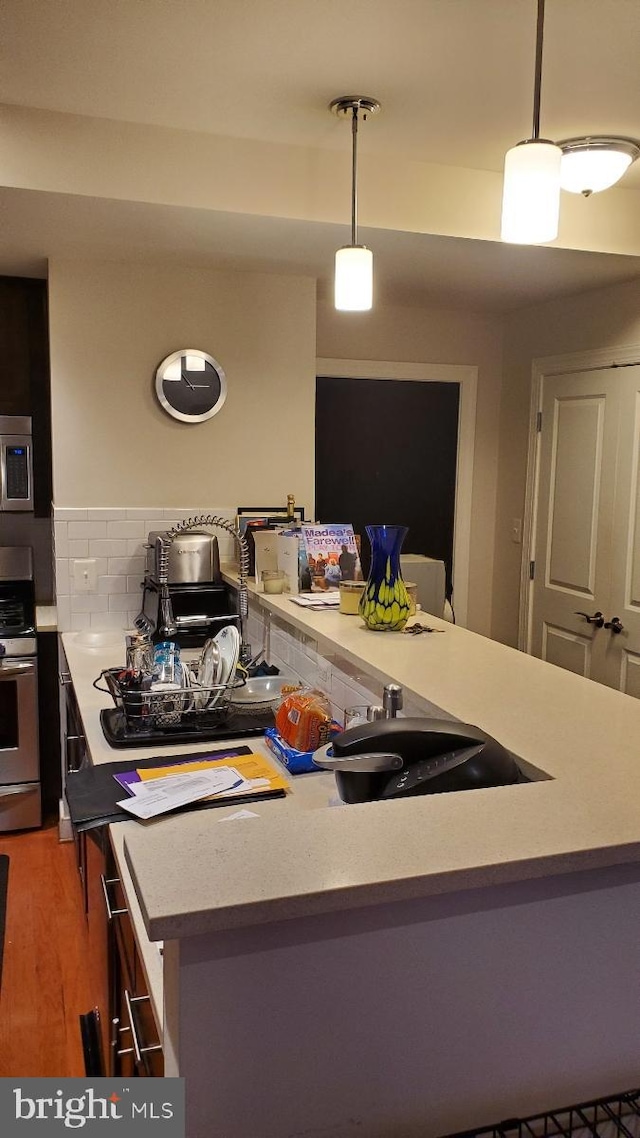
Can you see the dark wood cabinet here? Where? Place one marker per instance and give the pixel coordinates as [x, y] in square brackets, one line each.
[122, 1015]
[137, 1050]
[25, 387]
[98, 868]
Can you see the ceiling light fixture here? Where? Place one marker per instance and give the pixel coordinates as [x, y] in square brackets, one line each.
[354, 263]
[531, 189]
[595, 162]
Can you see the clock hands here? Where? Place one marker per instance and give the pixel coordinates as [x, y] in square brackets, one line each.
[193, 386]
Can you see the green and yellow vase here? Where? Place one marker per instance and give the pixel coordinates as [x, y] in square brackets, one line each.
[384, 604]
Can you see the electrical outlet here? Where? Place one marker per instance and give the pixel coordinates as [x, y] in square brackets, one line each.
[85, 575]
[516, 530]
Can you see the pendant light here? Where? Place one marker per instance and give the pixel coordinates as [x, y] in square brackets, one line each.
[595, 163]
[354, 263]
[531, 189]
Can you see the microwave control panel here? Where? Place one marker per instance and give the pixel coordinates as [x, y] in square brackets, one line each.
[17, 486]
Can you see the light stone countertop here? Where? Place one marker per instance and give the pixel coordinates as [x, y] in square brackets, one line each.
[303, 856]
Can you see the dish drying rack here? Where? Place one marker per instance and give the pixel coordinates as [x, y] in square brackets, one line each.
[181, 706]
[600, 1118]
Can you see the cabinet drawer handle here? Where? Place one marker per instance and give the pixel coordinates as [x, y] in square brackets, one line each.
[138, 1050]
[104, 881]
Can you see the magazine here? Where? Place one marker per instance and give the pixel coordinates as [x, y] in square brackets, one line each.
[332, 554]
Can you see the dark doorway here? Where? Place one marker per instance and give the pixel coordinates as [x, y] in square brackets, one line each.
[386, 451]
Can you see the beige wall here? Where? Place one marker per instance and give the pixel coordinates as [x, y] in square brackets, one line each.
[110, 326]
[416, 335]
[599, 319]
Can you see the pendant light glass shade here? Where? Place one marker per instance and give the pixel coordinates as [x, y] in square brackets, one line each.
[592, 164]
[354, 279]
[531, 193]
[531, 188]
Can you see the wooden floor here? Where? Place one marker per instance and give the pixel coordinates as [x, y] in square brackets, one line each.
[45, 984]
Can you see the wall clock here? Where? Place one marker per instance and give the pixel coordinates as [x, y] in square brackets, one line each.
[191, 385]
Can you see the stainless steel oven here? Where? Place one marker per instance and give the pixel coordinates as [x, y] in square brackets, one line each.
[16, 463]
[20, 793]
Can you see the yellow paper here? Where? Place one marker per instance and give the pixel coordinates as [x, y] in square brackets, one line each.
[249, 766]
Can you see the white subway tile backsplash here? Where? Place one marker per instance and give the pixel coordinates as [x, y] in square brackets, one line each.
[62, 576]
[134, 547]
[125, 565]
[112, 584]
[69, 515]
[108, 547]
[63, 613]
[103, 514]
[61, 542]
[77, 548]
[105, 620]
[143, 514]
[134, 582]
[86, 529]
[121, 602]
[79, 621]
[88, 602]
[127, 529]
[337, 691]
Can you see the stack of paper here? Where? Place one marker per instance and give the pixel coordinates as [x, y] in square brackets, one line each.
[156, 790]
[330, 599]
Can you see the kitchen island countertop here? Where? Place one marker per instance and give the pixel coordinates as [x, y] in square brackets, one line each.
[194, 875]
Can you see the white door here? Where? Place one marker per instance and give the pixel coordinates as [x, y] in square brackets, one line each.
[587, 543]
[622, 650]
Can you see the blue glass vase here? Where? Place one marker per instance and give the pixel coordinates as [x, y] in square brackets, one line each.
[384, 604]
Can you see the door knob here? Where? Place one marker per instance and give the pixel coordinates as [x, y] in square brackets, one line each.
[596, 619]
[615, 624]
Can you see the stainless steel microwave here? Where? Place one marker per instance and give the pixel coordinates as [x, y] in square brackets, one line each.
[16, 463]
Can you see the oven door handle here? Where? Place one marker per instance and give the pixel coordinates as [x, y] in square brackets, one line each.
[7, 670]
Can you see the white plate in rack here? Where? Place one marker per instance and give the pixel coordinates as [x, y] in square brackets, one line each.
[228, 641]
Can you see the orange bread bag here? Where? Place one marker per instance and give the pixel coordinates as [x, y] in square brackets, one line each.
[303, 719]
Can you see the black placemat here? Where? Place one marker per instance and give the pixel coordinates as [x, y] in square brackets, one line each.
[4, 882]
[93, 794]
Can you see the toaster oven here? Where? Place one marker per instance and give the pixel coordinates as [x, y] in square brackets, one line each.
[193, 558]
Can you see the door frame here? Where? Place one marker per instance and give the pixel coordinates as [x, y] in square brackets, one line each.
[466, 376]
[624, 355]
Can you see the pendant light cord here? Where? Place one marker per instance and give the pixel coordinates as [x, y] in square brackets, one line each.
[538, 72]
[354, 174]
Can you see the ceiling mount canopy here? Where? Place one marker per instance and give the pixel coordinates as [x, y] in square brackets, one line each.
[595, 162]
[531, 188]
[354, 263]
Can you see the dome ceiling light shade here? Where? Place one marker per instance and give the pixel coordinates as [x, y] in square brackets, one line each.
[353, 287]
[595, 162]
[531, 186]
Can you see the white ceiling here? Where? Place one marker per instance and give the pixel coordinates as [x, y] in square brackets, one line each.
[455, 78]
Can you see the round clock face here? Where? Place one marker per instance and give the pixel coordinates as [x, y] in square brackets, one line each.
[191, 385]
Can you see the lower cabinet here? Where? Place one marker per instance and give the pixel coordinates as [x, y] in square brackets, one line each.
[122, 1016]
[136, 1047]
